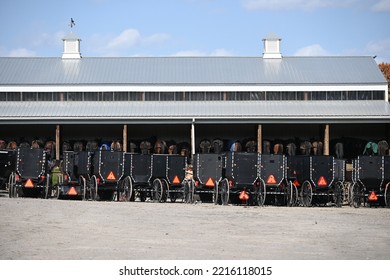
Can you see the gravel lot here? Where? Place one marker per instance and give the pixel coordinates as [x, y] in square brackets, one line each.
[33, 229]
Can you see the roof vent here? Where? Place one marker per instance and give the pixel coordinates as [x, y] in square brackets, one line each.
[71, 46]
[272, 46]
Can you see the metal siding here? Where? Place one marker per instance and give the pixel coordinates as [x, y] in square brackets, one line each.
[167, 111]
[189, 70]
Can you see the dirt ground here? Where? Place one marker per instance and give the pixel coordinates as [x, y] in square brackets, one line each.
[52, 229]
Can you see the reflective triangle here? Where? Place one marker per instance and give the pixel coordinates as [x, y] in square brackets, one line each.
[322, 182]
[296, 183]
[176, 180]
[111, 176]
[372, 197]
[210, 182]
[72, 191]
[29, 184]
[271, 180]
[244, 195]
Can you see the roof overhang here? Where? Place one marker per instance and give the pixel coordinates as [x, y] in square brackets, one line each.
[187, 112]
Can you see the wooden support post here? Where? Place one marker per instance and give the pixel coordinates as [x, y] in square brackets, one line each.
[58, 130]
[193, 137]
[260, 139]
[326, 140]
[125, 138]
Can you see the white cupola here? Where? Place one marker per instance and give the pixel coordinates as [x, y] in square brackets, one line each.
[71, 46]
[272, 46]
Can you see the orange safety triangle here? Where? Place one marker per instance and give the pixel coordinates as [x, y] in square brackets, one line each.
[296, 183]
[372, 197]
[322, 182]
[176, 180]
[72, 191]
[29, 184]
[244, 195]
[210, 182]
[271, 179]
[111, 176]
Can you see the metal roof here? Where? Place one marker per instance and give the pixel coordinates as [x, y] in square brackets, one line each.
[198, 111]
[189, 71]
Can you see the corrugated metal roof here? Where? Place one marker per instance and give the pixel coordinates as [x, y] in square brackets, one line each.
[189, 70]
[201, 111]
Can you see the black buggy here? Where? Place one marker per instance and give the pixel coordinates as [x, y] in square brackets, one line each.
[241, 179]
[371, 181]
[158, 176]
[168, 174]
[106, 182]
[318, 179]
[7, 168]
[32, 177]
[277, 190]
[207, 174]
[76, 174]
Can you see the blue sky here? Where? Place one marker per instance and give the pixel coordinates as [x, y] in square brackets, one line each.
[196, 27]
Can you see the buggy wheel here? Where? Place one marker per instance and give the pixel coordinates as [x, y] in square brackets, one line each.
[387, 195]
[11, 185]
[291, 194]
[215, 194]
[83, 185]
[346, 193]
[225, 191]
[48, 189]
[306, 194]
[127, 190]
[93, 188]
[338, 194]
[158, 190]
[261, 193]
[355, 195]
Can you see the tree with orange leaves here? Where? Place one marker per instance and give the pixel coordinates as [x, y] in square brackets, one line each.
[385, 68]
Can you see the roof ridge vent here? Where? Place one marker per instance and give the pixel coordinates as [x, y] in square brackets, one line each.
[71, 46]
[272, 46]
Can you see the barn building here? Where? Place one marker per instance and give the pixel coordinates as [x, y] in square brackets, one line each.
[187, 99]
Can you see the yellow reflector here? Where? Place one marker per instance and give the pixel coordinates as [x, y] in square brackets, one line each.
[271, 179]
[210, 183]
[111, 176]
[29, 184]
[176, 180]
[72, 191]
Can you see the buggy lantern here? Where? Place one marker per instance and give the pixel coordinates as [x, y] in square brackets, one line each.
[372, 197]
[322, 182]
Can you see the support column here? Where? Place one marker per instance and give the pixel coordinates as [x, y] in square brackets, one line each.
[326, 140]
[193, 137]
[58, 130]
[260, 139]
[125, 138]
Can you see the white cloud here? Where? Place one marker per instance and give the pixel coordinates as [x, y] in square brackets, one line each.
[312, 50]
[294, 4]
[157, 38]
[381, 6]
[126, 39]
